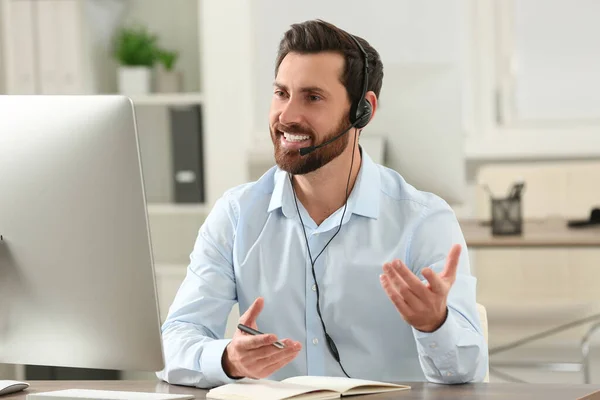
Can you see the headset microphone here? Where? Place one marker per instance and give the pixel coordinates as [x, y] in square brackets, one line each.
[307, 150]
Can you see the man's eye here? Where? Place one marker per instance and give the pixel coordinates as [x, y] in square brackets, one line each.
[279, 93]
[314, 97]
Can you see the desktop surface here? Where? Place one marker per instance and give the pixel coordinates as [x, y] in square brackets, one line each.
[419, 390]
[551, 232]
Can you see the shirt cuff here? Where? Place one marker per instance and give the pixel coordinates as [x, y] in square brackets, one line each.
[440, 343]
[211, 362]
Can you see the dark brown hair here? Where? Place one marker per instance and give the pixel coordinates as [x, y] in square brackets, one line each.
[316, 36]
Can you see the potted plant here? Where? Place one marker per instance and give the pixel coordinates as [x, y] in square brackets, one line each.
[136, 51]
[168, 79]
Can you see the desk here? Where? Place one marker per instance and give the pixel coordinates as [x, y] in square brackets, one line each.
[536, 233]
[540, 233]
[419, 390]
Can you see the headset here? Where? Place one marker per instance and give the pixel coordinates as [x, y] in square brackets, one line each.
[360, 110]
[360, 115]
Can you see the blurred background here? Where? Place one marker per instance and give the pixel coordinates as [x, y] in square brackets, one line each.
[493, 105]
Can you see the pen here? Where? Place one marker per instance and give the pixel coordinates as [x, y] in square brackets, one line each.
[251, 331]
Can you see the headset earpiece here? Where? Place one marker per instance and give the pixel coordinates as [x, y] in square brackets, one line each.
[362, 110]
[363, 114]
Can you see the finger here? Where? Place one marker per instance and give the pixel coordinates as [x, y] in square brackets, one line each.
[249, 317]
[267, 352]
[436, 284]
[277, 363]
[449, 272]
[403, 289]
[414, 283]
[393, 274]
[416, 304]
[265, 356]
[289, 343]
[248, 342]
[394, 296]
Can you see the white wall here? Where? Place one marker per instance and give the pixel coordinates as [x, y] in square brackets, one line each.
[227, 87]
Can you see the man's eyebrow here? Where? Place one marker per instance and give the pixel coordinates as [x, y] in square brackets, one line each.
[280, 86]
[306, 89]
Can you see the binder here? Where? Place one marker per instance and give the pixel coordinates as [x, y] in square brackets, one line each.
[71, 73]
[60, 47]
[20, 47]
[47, 21]
[43, 42]
[187, 154]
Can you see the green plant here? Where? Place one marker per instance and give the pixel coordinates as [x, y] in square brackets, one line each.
[167, 58]
[135, 46]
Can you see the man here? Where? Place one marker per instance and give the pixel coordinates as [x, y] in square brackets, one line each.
[359, 273]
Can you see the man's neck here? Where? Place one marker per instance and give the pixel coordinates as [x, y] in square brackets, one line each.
[323, 191]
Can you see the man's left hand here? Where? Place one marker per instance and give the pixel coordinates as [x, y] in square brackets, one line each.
[422, 305]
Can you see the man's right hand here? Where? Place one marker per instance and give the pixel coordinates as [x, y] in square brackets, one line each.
[255, 356]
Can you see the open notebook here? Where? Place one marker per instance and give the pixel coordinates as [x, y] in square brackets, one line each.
[300, 388]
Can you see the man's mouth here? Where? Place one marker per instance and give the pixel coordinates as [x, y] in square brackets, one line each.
[293, 141]
[295, 137]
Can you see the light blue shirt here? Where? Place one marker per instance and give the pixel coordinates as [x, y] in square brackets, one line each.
[252, 245]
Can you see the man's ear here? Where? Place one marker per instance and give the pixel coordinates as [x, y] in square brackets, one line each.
[372, 98]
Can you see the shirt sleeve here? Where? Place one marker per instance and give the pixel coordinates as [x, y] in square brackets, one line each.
[193, 331]
[457, 351]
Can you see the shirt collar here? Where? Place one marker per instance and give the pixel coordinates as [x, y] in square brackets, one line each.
[364, 199]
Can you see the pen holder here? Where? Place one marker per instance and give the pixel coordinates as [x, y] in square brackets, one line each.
[507, 216]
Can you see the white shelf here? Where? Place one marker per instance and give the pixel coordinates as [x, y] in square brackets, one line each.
[168, 99]
[177, 209]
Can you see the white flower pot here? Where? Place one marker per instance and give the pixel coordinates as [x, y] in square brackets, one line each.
[135, 80]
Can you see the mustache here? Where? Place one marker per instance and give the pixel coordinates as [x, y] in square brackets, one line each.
[293, 128]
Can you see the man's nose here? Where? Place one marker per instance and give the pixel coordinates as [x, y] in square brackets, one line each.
[291, 113]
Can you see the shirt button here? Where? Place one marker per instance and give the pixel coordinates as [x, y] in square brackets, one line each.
[448, 373]
[433, 345]
[315, 341]
[314, 288]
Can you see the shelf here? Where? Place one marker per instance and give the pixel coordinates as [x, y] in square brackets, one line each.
[177, 209]
[168, 99]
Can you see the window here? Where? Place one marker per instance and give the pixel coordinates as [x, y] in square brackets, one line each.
[548, 61]
[535, 78]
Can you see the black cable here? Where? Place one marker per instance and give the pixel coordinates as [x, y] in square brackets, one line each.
[330, 343]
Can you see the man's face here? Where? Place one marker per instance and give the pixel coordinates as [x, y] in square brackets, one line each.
[310, 106]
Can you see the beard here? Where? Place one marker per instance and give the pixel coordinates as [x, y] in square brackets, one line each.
[292, 162]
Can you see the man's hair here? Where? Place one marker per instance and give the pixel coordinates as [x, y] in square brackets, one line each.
[317, 36]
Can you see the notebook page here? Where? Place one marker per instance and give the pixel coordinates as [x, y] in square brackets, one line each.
[268, 390]
[341, 384]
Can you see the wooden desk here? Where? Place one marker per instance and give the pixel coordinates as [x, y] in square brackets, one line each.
[536, 233]
[419, 390]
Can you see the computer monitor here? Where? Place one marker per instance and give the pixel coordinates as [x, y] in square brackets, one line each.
[77, 283]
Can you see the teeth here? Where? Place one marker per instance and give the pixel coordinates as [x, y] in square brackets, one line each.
[295, 138]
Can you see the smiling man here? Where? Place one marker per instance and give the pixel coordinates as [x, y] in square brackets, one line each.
[354, 270]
